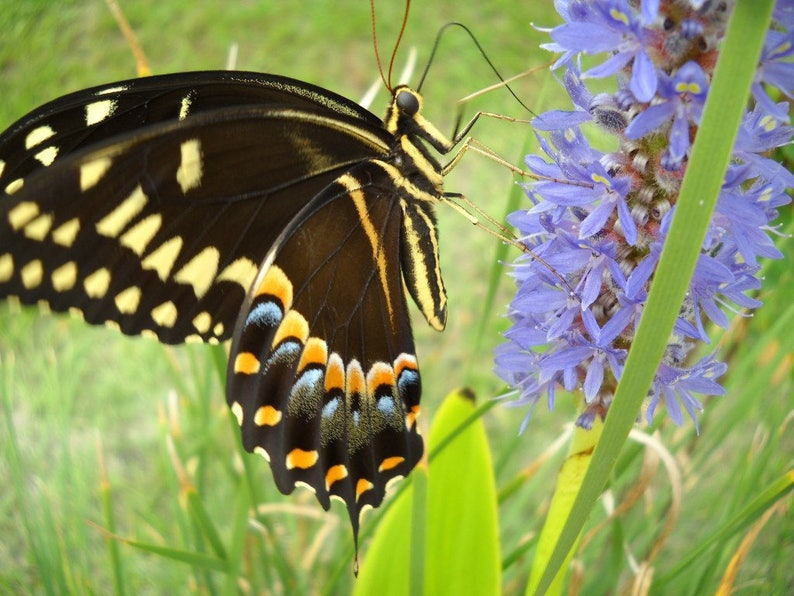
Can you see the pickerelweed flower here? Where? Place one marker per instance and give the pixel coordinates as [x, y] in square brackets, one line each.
[605, 239]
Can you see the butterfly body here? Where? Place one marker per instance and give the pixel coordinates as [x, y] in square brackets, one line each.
[216, 205]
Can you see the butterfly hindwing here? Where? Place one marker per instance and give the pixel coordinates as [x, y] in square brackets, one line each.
[322, 371]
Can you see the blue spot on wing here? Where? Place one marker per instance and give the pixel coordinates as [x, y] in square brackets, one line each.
[264, 315]
[408, 381]
[331, 407]
[308, 382]
[386, 405]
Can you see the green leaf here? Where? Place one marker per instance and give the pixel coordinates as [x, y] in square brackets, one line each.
[461, 531]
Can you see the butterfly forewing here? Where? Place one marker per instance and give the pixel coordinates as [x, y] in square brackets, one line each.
[204, 206]
[163, 230]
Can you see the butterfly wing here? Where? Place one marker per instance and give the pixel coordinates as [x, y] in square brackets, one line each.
[206, 206]
[322, 372]
[162, 229]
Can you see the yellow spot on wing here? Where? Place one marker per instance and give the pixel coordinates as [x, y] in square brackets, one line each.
[66, 232]
[184, 108]
[99, 110]
[246, 363]
[39, 227]
[237, 410]
[200, 271]
[96, 285]
[298, 458]
[334, 474]
[64, 277]
[267, 416]
[242, 271]
[165, 314]
[47, 155]
[38, 135]
[137, 238]
[14, 186]
[114, 222]
[6, 267]
[163, 258]
[127, 301]
[261, 451]
[32, 274]
[92, 172]
[22, 214]
[202, 322]
[191, 166]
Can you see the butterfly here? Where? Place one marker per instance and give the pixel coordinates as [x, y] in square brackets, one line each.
[207, 206]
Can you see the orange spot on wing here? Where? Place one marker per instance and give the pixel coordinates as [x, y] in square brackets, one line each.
[267, 416]
[334, 474]
[334, 374]
[362, 486]
[276, 283]
[315, 352]
[298, 458]
[379, 375]
[410, 417]
[246, 363]
[390, 463]
[403, 362]
[355, 379]
[293, 325]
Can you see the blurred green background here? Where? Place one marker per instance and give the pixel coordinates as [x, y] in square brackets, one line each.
[68, 388]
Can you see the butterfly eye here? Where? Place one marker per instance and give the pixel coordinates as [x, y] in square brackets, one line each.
[407, 102]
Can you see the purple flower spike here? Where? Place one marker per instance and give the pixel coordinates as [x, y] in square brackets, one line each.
[605, 238]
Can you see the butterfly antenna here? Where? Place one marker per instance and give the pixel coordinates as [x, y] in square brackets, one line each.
[482, 52]
[399, 38]
[375, 43]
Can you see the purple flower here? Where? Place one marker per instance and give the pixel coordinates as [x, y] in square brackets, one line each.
[610, 26]
[600, 220]
[683, 97]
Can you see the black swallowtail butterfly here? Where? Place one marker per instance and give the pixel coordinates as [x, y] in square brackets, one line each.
[213, 205]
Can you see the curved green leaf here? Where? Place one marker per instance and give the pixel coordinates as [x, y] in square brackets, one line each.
[460, 541]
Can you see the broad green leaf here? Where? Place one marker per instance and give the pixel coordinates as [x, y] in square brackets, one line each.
[461, 532]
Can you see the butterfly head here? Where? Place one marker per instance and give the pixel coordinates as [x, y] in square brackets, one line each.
[404, 117]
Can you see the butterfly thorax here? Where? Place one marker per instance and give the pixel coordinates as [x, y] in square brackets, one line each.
[411, 131]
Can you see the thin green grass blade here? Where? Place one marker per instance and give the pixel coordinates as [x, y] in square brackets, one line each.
[114, 550]
[699, 192]
[197, 560]
[238, 541]
[734, 526]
